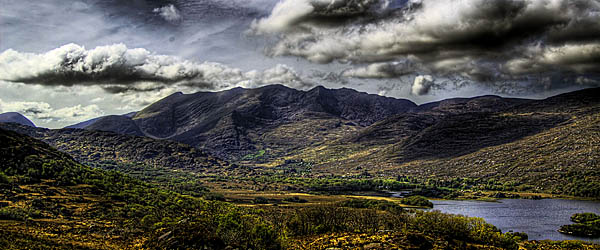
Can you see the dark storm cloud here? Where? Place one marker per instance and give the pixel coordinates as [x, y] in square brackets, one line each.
[287, 15]
[479, 40]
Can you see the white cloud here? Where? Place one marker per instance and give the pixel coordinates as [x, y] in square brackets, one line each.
[119, 68]
[284, 15]
[381, 70]
[169, 13]
[46, 113]
[287, 14]
[422, 85]
[578, 58]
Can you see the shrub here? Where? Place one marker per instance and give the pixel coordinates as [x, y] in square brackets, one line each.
[260, 200]
[17, 213]
[372, 204]
[295, 199]
[4, 179]
[417, 201]
[214, 197]
[584, 217]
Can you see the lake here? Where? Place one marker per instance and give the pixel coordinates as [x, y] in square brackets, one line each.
[540, 219]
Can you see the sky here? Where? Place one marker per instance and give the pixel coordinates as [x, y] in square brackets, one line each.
[63, 62]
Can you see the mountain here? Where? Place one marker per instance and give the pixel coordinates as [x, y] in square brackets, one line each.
[496, 143]
[15, 117]
[239, 122]
[545, 145]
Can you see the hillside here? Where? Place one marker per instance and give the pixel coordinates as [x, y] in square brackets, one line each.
[239, 122]
[94, 120]
[161, 162]
[49, 201]
[15, 117]
[546, 145]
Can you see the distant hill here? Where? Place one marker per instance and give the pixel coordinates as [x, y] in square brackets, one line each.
[239, 122]
[15, 117]
[92, 121]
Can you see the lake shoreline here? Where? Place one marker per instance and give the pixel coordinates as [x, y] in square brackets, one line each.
[540, 219]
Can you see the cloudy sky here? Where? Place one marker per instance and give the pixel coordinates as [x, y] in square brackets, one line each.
[62, 62]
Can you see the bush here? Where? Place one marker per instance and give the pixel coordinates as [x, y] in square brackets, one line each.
[417, 201]
[519, 236]
[17, 213]
[260, 200]
[4, 179]
[295, 199]
[214, 197]
[372, 204]
[218, 226]
[456, 227]
[584, 217]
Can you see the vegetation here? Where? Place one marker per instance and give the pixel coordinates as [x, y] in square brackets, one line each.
[586, 225]
[54, 195]
[372, 204]
[559, 245]
[51, 201]
[258, 155]
[419, 201]
[295, 199]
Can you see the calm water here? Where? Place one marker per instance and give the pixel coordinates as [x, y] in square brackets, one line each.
[538, 218]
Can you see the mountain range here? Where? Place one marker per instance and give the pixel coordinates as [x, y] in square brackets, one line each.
[548, 145]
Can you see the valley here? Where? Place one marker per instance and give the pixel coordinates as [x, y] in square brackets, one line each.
[280, 161]
[300, 125]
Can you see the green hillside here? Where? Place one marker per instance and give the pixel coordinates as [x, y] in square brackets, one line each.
[49, 201]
